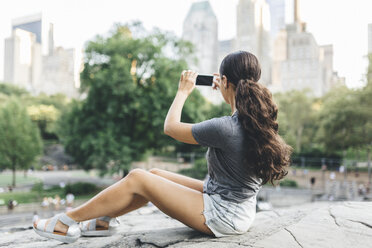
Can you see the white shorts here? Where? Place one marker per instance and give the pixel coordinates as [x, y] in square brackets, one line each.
[226, 218]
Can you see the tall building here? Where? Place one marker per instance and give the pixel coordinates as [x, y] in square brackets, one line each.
[300, 63]
[31, 61]
[200, 28]
[38, 25]
[277, 16]
[224, 48]
[253, 33]
[370, 38]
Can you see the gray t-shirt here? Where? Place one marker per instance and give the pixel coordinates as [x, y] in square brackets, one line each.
[227, 176]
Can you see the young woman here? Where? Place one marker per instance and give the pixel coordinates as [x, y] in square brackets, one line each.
[244, 152]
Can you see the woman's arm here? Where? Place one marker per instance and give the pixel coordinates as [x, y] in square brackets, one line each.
[173, 125]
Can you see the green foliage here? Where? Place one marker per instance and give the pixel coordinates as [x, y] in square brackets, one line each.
[20, 139]
[12, 90]
[44, 110]
[81, 188]
[45, 116]
[38, 187]
[198, 171]
[222, 109]
[346, 119]
[130, 78]
[288, 183]
[296, 117]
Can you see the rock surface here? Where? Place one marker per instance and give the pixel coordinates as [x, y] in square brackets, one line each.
[321, 224]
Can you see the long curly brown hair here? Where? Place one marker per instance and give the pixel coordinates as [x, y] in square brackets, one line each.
[266, 153]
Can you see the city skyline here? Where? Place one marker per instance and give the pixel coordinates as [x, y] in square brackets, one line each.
[74, 26]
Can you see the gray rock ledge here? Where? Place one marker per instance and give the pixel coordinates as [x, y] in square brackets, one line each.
[321, 224]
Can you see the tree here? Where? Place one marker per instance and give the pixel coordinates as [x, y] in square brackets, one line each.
[45, 116]
[343, 120]
[20, 139]
[130, 78]
[296, 118]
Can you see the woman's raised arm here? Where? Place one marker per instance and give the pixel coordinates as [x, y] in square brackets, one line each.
[173, 125]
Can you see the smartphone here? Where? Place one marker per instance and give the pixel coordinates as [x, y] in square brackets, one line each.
[204, 80]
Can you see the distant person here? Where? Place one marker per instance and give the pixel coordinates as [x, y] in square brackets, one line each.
[305, 172]
[11, 204]
[332, 176]
[312, 181]
[69, 201]
[56, 202]
[245, 151]
[45, 202]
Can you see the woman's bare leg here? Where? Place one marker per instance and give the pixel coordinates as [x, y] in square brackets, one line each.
[180, 179]
[178, 201]
[140, 201]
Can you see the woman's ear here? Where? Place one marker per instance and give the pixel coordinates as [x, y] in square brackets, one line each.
[225, 84]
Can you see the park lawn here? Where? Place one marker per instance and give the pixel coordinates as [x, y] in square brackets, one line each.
[31, 197]
[7, 177]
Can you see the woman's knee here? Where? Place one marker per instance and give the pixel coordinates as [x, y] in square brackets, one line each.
[155, 171]
[136, 173]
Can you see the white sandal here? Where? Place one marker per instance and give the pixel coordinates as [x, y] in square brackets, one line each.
[73, 232]
[89, 228]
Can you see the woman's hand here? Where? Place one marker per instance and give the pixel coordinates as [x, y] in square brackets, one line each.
[216, 81]
[187, 82]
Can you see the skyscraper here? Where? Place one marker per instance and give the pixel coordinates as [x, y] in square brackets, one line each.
[277, 16]
[200, 28]
[32, 62]
[253, 33]
[299, 62]
[22, 59]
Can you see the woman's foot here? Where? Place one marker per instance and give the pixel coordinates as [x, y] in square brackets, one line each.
[60, 227]
[103, 226]
[100, 224]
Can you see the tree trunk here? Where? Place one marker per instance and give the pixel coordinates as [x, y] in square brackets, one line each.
[14, 175]
[344, 163]
[369, 164]
[298, 138]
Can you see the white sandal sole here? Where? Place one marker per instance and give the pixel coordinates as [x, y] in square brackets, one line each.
[62, 238]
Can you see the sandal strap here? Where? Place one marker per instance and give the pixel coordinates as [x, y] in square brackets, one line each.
[52, 223]
[41, 225]
[59, 217]
[66, 220]
[92, 225]
[105, 218]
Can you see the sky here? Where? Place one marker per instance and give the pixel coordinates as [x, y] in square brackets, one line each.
[342, 23]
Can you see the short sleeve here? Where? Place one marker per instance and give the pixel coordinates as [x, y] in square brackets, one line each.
[211, 133]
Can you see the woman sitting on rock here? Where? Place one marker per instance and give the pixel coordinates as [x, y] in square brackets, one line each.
[245, 151]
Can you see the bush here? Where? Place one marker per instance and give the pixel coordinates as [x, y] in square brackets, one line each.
[288, 183]
[81, 188]
[198, 171]
[38, 187]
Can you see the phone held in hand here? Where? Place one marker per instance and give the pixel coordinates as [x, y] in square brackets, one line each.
[204, 80]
